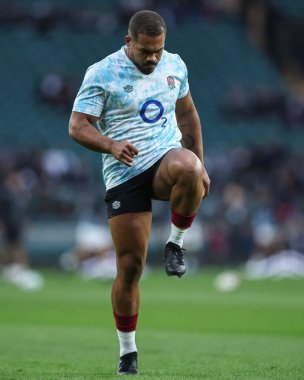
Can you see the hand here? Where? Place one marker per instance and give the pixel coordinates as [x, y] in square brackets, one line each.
[206, 183]
[124, 151]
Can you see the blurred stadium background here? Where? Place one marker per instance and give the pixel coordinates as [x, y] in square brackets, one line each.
[246, 71]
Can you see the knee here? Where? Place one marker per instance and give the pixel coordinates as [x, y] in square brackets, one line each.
[188, 169]
[130, 268]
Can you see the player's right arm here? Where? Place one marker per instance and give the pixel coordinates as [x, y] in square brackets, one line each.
[82, 130]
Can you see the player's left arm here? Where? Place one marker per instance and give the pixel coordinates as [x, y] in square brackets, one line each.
[188, 122]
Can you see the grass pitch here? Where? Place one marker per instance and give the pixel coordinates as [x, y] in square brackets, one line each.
[186, 330]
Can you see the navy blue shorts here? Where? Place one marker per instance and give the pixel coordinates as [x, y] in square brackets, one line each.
[134, 195]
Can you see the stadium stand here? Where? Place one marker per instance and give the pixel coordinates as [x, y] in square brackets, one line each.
[215, 65]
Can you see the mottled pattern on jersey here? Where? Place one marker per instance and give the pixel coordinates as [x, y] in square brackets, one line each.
[135, 107]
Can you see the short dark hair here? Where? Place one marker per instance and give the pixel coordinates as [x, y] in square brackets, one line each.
[146, 22]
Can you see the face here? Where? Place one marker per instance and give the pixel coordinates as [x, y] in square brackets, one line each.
[145, 51]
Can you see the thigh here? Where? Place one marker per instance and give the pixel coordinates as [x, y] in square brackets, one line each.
[166, 175]
[130, 234]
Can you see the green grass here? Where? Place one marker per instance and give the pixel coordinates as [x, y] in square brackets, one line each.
[186, 330]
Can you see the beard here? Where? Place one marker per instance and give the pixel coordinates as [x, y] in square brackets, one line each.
[146, 68]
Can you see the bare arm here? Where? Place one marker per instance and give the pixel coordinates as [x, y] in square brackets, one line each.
[189, 124]
[81, 130]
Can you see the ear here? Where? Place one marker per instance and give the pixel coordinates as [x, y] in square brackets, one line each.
[128, 40]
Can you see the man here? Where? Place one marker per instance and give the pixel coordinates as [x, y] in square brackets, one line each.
[138, 96]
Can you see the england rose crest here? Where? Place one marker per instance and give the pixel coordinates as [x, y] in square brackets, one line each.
[171, 82]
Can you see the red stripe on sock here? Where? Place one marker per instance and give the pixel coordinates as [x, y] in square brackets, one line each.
[182, 221]
[125, 324]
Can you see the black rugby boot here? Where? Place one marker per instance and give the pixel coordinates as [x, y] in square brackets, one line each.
[128, 364]
[174, 260]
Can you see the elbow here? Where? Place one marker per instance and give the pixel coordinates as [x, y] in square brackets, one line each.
[73, 129]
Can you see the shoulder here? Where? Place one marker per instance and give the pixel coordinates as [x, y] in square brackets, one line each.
[173, 58]
[106, 63]
[106, 67]
[175, 63]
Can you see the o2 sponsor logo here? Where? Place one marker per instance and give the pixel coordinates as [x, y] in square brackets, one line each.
[160, 116]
